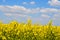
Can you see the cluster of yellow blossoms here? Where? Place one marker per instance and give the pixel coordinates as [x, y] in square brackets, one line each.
[29, 31]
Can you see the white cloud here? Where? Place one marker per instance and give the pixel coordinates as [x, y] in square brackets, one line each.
[54, 2]
[14, 10]
[32, 2]
[45, 16]
[25, 3]
[18, 9]
[50, 10]
[29, 3]
[15, 15]
[8, 14]
[56, 17]
[22, 11]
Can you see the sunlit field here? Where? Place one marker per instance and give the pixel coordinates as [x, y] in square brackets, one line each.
[29, 31]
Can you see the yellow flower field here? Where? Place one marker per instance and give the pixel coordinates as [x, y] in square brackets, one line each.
[29, 31]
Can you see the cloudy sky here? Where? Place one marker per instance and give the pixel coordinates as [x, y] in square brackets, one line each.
[37, 10]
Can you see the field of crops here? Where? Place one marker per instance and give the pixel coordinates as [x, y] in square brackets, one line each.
[29, 31]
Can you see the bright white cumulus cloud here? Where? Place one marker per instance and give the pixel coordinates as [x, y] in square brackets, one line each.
[24, 12]
[50, 10]
[54, 2]
[29, 3]
[32, 2]
[24, 3]
[18, 9]
[45, 16]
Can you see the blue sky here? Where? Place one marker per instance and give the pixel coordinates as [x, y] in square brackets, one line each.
[37, 10]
